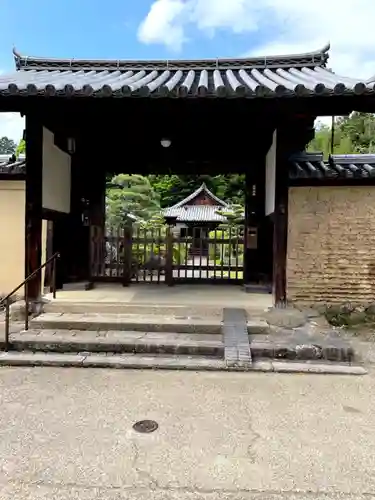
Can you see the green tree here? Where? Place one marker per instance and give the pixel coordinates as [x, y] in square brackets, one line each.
[352, 134]
[130, 196]
[234, 216]
[21, 148]
[359, 128]
[175, 188]
[7, 146]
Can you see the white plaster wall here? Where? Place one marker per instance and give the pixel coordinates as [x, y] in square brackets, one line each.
[177, 228]
[12, 227]
[56, 175]
[271, 176]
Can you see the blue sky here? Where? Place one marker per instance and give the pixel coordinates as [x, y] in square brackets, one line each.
[166, 29]
[83, 29]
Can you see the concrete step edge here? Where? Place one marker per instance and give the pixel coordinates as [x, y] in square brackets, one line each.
[171, 363]
[281, 351]
[173, 325]
[125, 345]
[167, 327]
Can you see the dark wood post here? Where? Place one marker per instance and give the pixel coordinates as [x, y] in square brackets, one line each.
[293, 135]
[169, 258]
[128, 255]
[254, 214]
[248, 264]
[33, 212]
[280, 233]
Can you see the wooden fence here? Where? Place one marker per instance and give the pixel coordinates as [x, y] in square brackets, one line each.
[159, 256]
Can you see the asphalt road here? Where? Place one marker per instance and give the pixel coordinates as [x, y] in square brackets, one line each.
[67, 434]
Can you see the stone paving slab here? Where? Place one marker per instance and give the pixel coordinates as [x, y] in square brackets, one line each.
[118, 342]
[195, 363]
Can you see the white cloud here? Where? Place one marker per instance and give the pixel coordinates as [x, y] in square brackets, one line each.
[164, 24]
[12, 126]
[291, 26]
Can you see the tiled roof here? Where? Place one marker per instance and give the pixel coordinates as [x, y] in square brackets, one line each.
[311, 166]
[9, 164]
[195, 213]
[197, 192]
[269, 76]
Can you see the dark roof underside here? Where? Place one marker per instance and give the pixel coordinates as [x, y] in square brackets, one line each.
[341, 167]
[269, 76]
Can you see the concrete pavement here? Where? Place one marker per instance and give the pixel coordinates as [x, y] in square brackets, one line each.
[67, 434]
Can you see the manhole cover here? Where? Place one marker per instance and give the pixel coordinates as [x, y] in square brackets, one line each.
[145, 426]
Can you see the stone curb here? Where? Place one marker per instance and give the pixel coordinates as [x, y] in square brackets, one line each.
[107, 345]
[259, 351]
[128, 324]
[309, 367]
[301, 352]
[165, 363]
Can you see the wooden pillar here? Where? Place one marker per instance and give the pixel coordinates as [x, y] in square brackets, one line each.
[254, 216]
[248, 261]
[33, 212]
[97, 195]
[293, 134]
[280, 233]
[76, 225]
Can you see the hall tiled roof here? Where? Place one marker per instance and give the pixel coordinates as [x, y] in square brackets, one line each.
[312, 166]
[195, 213]
[268, 76]
[11, 165]
[202, 189]
[183, 212]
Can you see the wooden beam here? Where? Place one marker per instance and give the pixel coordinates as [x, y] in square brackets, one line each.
[33, 212]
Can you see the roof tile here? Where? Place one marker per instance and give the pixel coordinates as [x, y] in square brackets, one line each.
[312, 166]
[273, 76]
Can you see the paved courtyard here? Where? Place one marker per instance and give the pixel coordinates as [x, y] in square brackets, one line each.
[67, 434]
[201, 294]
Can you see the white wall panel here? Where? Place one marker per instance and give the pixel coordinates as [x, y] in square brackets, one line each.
[56, 175]
[271, 176]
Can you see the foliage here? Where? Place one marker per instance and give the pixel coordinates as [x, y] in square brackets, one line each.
[234, 216]
[7, 146]
[129, 197]
[21, 148]
[223, 252]
[352, 134]
[174, 188]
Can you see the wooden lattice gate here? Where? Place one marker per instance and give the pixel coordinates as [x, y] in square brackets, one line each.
[158, 255]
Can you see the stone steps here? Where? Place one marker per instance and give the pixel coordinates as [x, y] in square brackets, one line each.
[137, 322]
[233, 338]
[135, 342]
[192, 344]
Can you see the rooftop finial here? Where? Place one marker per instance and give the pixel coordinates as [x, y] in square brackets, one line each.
[15, 53]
